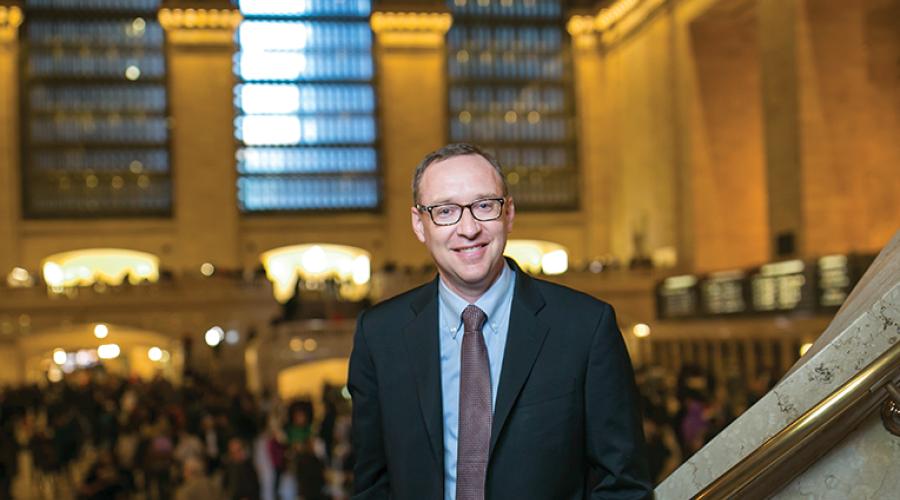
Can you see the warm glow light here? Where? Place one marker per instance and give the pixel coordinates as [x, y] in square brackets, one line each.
[436, 22]
[59, 356]
[108, 351]
[207, 269]
[214, 336]
[310, 345]
[53, 274]
[132, 72]
[19, 277]
[11, 16]
[85, 357]
[362, 270]
[641, 330]
[154, 354]
[10, 19]
[314, 260]
[101, 331]
[580, 25]
[172, 19]
[614, 13]
[232, 337]
[805, 347]
[296, 344]
[54, 374]
[555, 262]
[411, 29]
[349, 266]
[536, 256]
[612, 22]
[104, 265]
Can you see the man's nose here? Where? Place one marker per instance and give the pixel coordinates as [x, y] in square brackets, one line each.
[467, 226]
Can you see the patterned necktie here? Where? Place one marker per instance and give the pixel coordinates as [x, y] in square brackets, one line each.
[474, 434]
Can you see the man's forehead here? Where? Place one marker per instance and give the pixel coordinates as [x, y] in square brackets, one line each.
[449, 177]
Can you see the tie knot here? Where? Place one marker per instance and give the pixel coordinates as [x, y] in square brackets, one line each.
[473, 318]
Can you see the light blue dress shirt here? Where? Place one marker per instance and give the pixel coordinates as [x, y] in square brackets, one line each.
[496, 303]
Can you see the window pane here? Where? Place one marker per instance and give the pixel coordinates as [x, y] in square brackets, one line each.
[305, 106]
[510, 92]
[95, 126]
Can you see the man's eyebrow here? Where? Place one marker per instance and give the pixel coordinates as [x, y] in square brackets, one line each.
[446, 201]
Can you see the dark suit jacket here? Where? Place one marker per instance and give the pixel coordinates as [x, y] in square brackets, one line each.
[566, 423]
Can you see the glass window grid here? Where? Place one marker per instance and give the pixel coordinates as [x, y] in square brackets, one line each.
[95, 142]
[509, 77]
[327, 160]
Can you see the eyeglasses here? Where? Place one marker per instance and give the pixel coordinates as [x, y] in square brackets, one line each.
[448, 214]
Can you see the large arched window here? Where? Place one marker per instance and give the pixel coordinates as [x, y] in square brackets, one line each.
[95, 131]
[306, 107]
[510, 84]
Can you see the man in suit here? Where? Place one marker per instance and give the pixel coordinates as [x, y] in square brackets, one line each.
[485, 382]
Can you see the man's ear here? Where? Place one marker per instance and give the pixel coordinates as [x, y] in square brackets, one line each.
[510, 214]
[418, 226]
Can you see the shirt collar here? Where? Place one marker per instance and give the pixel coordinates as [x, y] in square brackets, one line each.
[452, 305]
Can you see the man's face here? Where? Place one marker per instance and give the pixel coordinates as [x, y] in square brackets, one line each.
[468, 254]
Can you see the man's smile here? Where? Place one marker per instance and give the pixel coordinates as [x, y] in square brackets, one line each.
[471, 248]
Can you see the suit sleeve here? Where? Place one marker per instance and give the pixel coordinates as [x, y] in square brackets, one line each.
[370, 479]
[614, 432]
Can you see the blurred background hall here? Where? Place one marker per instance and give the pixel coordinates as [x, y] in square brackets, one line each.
[198, 197]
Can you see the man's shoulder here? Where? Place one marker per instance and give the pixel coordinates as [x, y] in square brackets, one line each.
[399, 306]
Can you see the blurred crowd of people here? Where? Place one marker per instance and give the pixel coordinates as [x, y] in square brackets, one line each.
[95, 435]
[683, 411]
[99, 436]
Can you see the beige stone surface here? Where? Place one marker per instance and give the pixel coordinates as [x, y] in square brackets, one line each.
[9, 155]
[862, 467]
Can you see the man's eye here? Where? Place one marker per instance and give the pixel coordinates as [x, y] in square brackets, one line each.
[444, 210]
[484, 204]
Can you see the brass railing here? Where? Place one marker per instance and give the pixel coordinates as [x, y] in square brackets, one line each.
[789, 452]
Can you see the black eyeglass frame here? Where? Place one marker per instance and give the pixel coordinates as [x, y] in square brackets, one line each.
[429, 208]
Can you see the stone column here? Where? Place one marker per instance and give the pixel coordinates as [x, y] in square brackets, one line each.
[412, 87]
[200, 49]
[594, 161]
[10, 205]
[780, 118]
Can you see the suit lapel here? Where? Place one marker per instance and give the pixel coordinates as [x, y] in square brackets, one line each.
[523, 342]
[421, 336]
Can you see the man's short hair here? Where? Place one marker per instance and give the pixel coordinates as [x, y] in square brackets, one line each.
[451, 151]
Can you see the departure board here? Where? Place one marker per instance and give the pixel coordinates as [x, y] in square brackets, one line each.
[821, 284]
[782, 286]
[677, 297]
[723, 293]
[834, 280]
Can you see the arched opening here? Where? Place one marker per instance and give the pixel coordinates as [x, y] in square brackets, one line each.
[49, 353]
[307, 380]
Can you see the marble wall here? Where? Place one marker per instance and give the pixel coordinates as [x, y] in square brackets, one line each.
[862, 466]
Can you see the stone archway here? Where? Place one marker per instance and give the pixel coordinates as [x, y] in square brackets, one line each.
[306, 379]
[35, 350]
